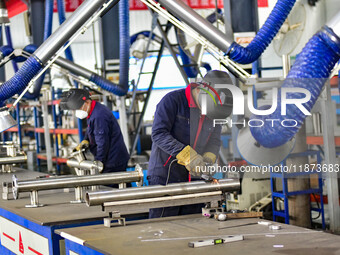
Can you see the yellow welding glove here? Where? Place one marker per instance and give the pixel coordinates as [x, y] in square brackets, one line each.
[209, 158]
[83, 144]
[192, 161]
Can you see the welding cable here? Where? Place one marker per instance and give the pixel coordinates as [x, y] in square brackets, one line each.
[167, 180]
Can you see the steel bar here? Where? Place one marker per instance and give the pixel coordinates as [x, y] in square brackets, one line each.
[218, 54]
[75, 181]
[47, 136]
[101, 197]
[332, 181]
[85, 164]
[73, 68]
[137, 206]
[334, 24]
[67, 29]
[198, 23]
[13, 160]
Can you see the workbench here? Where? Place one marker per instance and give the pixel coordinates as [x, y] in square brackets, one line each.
[22, 174]
[171, 236]
[31, 230]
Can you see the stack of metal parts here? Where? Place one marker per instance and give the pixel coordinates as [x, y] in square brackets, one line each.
[9, 156]
[82, 165]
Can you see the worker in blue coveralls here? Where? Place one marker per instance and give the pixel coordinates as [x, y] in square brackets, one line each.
[103, 135]
[184, 140]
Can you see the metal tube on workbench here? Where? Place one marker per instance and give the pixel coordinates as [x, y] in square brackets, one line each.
[13, 160]
[100, 197]
[75, 181]
[86, 164]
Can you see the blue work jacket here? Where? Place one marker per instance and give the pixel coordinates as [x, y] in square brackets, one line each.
[177, 123]
[106, 139]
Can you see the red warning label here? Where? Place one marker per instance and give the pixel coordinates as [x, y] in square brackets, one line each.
[262, 3]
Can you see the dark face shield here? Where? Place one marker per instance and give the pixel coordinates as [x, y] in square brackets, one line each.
[74, 99]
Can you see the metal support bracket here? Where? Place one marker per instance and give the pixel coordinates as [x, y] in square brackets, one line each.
[115, 219]
[78, 193]
[137, 206]
[34, 200]
[122, 186]
[7, 192]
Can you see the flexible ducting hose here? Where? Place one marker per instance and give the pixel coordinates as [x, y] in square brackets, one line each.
[216, 15]
[310, 71]
[62, 18]
[48, 18]
[5, 51]
[10, 44]
[207, 66]
[34, 63]
[124, 43]
[265, 35]
[189, 67]
[49, 5]
[134, 37]
[103, 83]
[20, 80]
[30, 68]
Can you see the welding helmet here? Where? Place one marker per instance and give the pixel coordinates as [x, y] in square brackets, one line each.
[215, 99]
[74, 99]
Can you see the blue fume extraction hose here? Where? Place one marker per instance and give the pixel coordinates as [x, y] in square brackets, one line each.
[49, 4]
[10, 44]
[48, 18]
[124, 43]
[30, 68]
[31, 48]
[191, 71]
[310, 71]
[20, 80]
[265, 35]
[5, 51]
[33, 65]
[62, 18]
[134, 37]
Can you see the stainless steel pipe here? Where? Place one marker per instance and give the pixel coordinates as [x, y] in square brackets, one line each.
[100, 197]
[13, 160]
[73, 68]
[67, 29]
[86, 164]
[75, 181]
[334, 24]
[182, 11]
